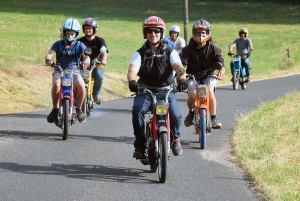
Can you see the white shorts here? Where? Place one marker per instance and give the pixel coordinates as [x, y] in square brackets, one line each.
[207, 81]
[76, 76]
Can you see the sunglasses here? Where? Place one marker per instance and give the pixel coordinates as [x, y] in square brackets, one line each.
[150, 31]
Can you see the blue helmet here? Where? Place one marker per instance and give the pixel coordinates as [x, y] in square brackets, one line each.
[71, 24]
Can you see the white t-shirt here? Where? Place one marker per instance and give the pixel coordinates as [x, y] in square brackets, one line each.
[136, 58]
[179, 43]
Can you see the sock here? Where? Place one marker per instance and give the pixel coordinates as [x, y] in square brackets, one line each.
[213, 117]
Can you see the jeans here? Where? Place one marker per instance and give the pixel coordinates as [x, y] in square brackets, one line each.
[245, 63]
[98, 75]
[142, 104]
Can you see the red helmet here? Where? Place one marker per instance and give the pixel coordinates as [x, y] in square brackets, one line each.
[201, 24]
[154, 22]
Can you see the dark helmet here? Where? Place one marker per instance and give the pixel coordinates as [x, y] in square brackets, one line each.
[201, 24]
[243, 30]
[154, 22]
[90, 22]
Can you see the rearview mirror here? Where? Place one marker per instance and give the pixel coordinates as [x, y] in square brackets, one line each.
[180, 71]
[102, 49]
[218, 66]
[88, 51]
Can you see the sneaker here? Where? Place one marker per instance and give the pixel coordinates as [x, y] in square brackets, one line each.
[188, 121]
[138, 153]
[215, 123]
[248, 78]
[98, 100]
[52, 116]
[176, 147]
[80, 115]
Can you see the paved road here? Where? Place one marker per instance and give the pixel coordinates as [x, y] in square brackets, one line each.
[95, 163]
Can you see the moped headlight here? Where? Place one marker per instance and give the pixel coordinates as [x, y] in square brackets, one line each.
[202, 92]
[67, 82]
[161, 109]
[86, 74]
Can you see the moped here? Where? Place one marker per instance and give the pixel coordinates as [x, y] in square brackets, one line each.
[202, 121]
[88, 103]
[66, 112]
[239, 72]
[157, 130]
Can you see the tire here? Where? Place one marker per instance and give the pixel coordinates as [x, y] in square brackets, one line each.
[244, 85]
[208, 124]
[235, 81]
[66, 115]
[85, 103]
[162, 157]
[202, 137]
[151, 152]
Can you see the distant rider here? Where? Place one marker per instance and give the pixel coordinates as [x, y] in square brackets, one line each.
[178, 42]
[243, 47]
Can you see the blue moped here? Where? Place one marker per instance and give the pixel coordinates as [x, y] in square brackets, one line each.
[239, 73]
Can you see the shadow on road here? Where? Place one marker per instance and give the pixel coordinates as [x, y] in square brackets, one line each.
[80, 171]
[55, 136]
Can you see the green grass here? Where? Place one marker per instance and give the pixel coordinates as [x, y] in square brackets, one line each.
[29, 28]
[268, 146]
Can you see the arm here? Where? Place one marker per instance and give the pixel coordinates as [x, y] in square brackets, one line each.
[231, 47]
[104, 57]
[132, 72]
[48, 57]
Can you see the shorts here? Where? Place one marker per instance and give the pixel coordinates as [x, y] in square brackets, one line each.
[76, 76]
[207, 81]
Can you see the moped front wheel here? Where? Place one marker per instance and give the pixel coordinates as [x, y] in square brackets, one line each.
[66, 115]
[202, 136]
[162, 157]
[235, 80]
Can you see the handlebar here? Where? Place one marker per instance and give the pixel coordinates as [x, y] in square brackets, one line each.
[153, 96]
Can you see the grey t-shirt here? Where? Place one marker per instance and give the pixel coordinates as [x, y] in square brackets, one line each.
[242, 46]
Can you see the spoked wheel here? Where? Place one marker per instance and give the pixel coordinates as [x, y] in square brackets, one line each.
[202, 137]
[235, 81]
[66, 114]
[162, 157]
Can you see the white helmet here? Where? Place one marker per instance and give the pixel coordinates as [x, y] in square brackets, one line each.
[174, 28]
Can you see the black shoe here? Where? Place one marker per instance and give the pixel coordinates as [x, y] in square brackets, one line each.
[248, 78]
[98, 100]
[188, 121]
[138, 153]
[231, 79]
[52, 116]
[80, 115]
[176, 147]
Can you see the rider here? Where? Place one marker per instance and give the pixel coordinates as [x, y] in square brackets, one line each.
[200, 57]
[89, 28]
[68, 52]
[243, 47]
[178, 42]
[153, 63]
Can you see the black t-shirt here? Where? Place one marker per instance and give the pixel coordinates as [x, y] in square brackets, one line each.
[94, 44]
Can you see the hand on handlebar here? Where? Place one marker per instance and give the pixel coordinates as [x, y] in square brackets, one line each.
[48, 62]
[85, 65]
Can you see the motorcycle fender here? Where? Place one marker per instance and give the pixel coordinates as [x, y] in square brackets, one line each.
[66, 91]
[162, 129]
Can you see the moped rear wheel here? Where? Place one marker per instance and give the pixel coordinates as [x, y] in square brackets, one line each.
[162, 157]
[66, 114]
[202, 136]
[85, 103]
[235, 80]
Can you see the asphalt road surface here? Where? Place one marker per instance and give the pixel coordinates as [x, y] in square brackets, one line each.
[95, 162]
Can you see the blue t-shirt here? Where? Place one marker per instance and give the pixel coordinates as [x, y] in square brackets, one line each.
[69, 57]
